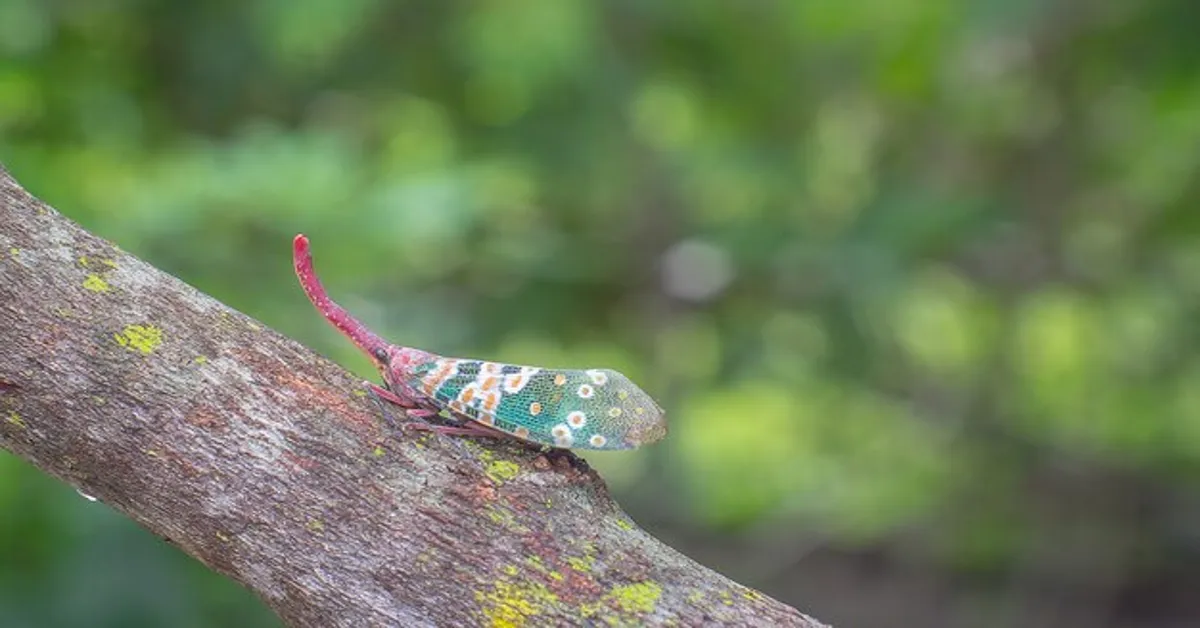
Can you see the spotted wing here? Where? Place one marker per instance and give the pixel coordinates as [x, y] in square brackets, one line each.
[585, 409]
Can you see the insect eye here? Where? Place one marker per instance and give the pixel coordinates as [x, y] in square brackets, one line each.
[381, 355]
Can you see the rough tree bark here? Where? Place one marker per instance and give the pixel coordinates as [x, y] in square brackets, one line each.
[270, 465]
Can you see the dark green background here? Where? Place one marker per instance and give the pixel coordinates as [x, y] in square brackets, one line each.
[918, 281]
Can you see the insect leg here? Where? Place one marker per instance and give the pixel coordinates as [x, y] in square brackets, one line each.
[387, 395]
[468, 428]
[465, 427]
[378, 395]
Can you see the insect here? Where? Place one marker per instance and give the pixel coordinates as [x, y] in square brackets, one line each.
[566, 408]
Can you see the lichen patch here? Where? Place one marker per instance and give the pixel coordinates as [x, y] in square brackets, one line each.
[143, 338]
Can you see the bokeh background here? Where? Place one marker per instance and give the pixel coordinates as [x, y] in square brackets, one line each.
[917, 280]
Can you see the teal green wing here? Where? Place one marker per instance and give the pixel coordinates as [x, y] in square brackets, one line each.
[585, 409]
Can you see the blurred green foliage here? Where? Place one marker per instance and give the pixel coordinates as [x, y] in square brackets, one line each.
[916, 281]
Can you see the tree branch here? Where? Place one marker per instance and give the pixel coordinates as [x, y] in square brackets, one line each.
[270, 465]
